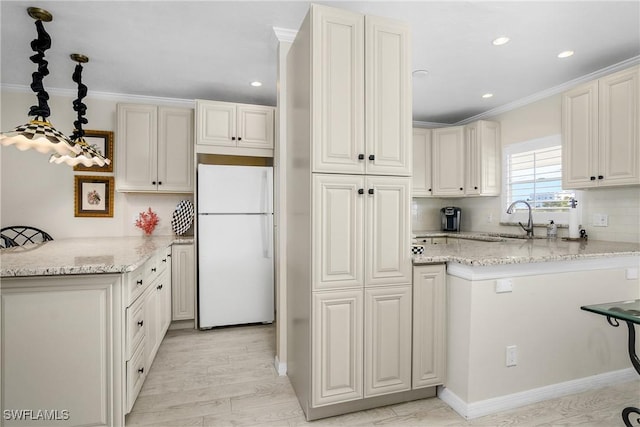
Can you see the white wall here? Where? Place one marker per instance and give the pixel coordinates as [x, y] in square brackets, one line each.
[538, 120]
[38, 193]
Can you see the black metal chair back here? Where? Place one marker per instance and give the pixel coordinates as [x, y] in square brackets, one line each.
[18, 235]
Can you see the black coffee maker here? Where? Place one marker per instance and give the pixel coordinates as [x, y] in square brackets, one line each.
[450, 217]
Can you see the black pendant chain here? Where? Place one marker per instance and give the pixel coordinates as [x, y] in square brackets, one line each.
[40, 45]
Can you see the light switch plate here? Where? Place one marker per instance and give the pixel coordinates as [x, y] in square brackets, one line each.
[600, 220]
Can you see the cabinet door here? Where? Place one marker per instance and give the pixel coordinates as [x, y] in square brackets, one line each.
[580, 137]
[337, 90]
[387, 337]
[338, 231]
[175, 149]
[183, 282]
[151, 326]
[429, 325]
[421, 162]
[619, 141]
[448, 161]
[164, 304]
[255, 126]
[482, 156]
[336, 361]
[388, 116]
[215, 123]
[388, 237]
[136, 147]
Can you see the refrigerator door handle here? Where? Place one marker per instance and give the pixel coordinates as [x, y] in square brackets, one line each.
[266, 236]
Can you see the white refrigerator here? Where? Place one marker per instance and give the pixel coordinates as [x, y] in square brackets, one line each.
[235, 245]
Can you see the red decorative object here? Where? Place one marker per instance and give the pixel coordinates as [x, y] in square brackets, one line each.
[147, 221]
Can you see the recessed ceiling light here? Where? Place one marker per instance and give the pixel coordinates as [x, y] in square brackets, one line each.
[256, 84]
[500, 41]
[487, 95]
[565, 54]
[420, 73]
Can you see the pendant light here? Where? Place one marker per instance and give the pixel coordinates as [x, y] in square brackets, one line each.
[39, 134]
[87, 155]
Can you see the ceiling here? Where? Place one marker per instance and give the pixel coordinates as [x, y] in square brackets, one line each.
[214, 49]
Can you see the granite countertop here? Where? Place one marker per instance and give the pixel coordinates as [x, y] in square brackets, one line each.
[503, 250]
[96, 255]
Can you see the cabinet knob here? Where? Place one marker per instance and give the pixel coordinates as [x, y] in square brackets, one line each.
[371, 191]
[429, 190]
[153, 182]
[139, 282]
[360, 156]
[593, 178]
[140, 323]
[159, 182]
[372, 157]
[233, 138]
[239, 138]
[600, 177]
[153, 270]
[168, 255]
[159, 287]
[475, 188]
[164, 260]
[360, 190]
[461, 188]
[141, 370]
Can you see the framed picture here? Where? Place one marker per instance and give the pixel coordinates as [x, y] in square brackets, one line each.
[102, 141]
[94, 196]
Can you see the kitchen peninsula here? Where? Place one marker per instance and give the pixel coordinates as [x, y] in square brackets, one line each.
[82, 320]
[523, 296]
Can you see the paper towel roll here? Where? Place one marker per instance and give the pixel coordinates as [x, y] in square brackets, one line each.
[574, 233]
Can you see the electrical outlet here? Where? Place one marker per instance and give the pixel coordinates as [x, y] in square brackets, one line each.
[600, 220]
[512, 355]
[504, 285]
[490, 218]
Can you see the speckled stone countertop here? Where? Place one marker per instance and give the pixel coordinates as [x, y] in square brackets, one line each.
[500, 250]
[96, 255]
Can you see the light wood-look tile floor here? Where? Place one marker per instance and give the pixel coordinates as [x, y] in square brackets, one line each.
[226, 377]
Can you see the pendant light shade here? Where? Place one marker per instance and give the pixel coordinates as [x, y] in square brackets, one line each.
[39, 134]
[86, 154]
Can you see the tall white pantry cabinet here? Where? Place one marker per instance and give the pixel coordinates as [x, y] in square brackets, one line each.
[348, 201]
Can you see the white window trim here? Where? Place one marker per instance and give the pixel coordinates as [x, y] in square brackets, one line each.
[542, 218]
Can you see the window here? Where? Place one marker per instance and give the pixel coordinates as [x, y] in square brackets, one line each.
[533, 173]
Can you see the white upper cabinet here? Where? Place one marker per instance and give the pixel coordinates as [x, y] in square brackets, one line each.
[482, 158]
[600, 132]
[350, 135]
[388, 113]
[234, 129]
[448, 161]
[421, 162]
[154, 149]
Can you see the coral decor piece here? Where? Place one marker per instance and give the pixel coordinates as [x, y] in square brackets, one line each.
[147, 221]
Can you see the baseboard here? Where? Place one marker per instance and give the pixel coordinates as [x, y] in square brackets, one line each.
[516, 400]
[182, 324]
[281, 367]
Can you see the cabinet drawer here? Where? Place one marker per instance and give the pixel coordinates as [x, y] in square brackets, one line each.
[136, 373]
[135, 319]
[164, 259]
[152, 268]
[136, 284]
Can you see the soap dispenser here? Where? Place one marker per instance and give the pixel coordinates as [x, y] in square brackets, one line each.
[552, 230]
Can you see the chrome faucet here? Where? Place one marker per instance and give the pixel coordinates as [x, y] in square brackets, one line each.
[529, 227]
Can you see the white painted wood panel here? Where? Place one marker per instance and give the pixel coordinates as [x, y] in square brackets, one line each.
[338, 91]
[136, 147]
[183, 282]
[448, 161]
[429, 326]
[337, 341]
[255, 126]
[421, 163]
[338, 231]
[216, 123]
[387, 360]
[388, 237]
[482, 159]
[175, 149]
[388, 112]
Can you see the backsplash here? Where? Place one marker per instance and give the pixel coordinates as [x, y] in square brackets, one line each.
[482, 214]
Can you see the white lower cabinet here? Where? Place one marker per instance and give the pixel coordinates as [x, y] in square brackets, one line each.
[429, 325]
[183, 282]
[387, 337]
[337, 347]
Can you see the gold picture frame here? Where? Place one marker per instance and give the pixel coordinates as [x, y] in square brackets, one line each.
[94, 196]
[102, 141]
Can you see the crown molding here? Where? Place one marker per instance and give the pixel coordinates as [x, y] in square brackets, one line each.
[107, 96]
[429, 125]
[285, 34]
[552, 91]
